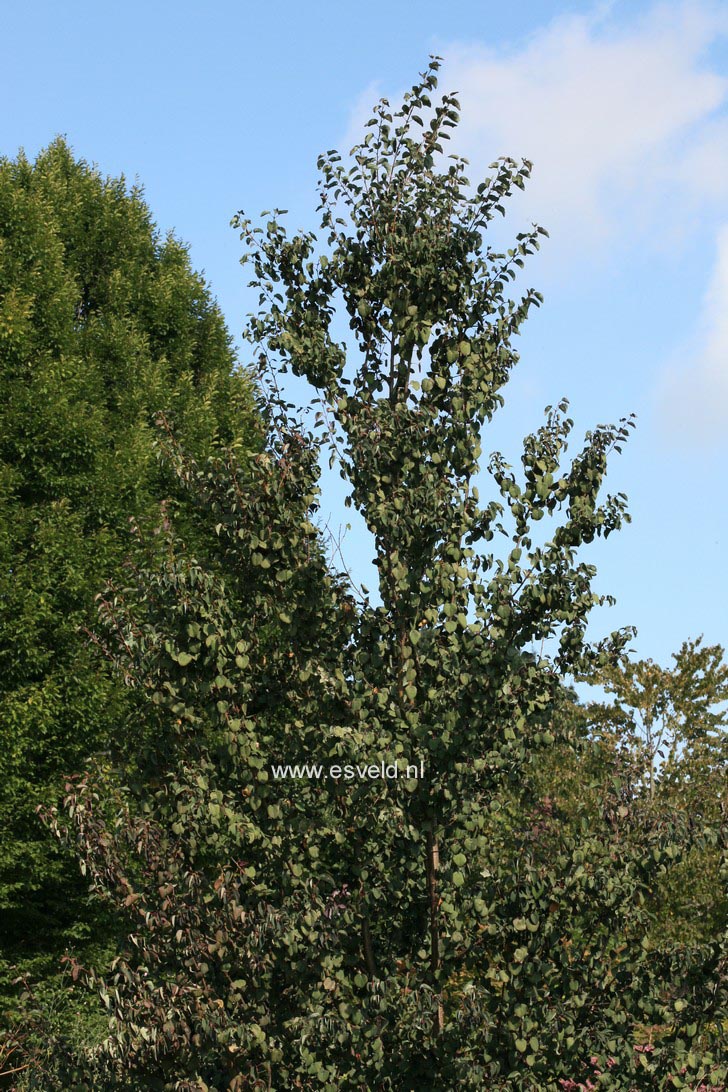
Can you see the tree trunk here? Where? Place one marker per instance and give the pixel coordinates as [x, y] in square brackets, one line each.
[433, 867]
[366, 937]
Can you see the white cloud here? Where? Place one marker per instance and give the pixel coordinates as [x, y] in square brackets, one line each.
[693, 397]
[620, 121]
[625, 119]
[626, 122]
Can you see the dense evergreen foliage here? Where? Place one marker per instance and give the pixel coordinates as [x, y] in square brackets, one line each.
[102, 325]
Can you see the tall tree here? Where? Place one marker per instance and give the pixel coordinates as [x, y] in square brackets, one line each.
[102, 324]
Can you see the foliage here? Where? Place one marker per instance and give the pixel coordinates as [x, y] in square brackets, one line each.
[102, 325]
[674, 720]
[390, 932]
[675, 715]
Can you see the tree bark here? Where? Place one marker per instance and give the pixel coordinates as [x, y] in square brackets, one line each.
[366, 937]
[433, 867]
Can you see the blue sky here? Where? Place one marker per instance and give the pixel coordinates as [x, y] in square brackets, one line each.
[622, 106]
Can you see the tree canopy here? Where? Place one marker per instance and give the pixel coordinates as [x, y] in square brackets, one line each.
[440, 925]
[103, 324]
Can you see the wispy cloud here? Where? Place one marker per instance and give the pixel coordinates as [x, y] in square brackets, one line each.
[693, 396]
[625, 118]
[622, 121]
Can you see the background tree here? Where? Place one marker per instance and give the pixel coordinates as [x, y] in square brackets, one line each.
[675, 715]
[396, 933]
[673, 721]
[102, 325]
